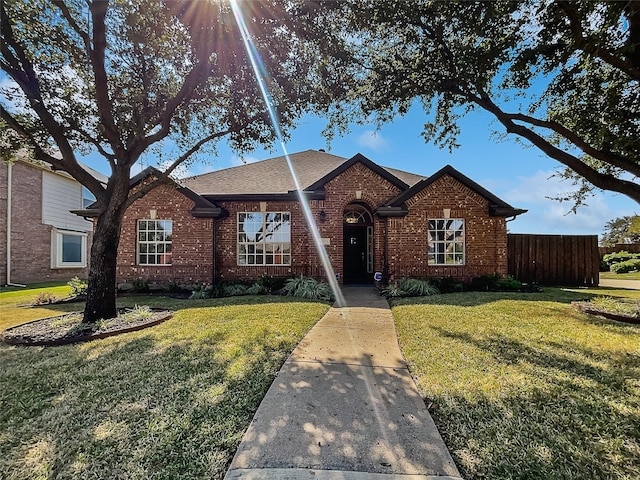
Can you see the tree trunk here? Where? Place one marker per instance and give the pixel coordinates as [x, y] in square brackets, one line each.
[101, 291]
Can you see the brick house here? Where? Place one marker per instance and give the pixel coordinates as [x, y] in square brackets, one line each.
[245, 222]
[40, 239]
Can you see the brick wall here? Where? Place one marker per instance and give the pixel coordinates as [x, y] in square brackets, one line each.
[192, 241]
[339, 192]
[30, 239]
[486, 239]
[485, 236]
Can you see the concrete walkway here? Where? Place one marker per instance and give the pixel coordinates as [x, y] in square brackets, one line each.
[613, 283]
[344, 407]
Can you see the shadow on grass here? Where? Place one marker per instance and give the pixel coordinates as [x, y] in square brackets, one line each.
[474, 299]
[574, 414]
[138, 406]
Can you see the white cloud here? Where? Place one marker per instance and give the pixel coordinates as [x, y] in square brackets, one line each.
[237, 160]
[373, 140]
[551, 216]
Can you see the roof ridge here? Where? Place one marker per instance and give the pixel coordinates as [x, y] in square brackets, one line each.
[263, 161]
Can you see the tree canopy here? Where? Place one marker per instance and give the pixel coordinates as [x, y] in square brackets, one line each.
[621, 230]
[562, 75]
[118, 77]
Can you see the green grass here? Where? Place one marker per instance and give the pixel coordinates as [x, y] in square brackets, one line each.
[171, 401]
[620, 276]
[12, 301]
[524, 386]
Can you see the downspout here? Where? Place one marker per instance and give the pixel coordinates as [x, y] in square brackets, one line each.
[9, 182]
[385, 262]
[213, 273]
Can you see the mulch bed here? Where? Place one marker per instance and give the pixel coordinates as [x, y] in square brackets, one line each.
[587, 307]
[66, 329]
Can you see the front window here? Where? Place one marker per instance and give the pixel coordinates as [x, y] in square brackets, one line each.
[155, 242]
[264, 238]
[68, 249]
[446, 241]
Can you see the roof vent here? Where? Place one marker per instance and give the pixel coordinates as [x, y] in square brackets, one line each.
[321, 150]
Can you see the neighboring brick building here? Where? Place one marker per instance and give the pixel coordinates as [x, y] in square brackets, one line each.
[40, 239]
[246, 222]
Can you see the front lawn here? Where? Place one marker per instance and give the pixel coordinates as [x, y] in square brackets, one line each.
[620, 276]
[524, 386]
[171, 401]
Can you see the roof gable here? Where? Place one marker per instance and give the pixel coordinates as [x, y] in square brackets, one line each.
[358, 158]
[497, 206]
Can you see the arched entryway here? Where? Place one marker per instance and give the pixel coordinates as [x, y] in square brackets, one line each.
[357, 244]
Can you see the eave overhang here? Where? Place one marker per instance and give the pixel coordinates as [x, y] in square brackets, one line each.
[386, 211]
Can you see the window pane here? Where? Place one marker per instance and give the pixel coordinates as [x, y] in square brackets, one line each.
[72, 248]
[154, 242]
[260, 233]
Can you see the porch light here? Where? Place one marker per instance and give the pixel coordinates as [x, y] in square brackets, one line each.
[323, 216]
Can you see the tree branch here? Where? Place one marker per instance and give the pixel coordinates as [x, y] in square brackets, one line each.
[604, 155]
[73, 168]
[590, 47]
[600, 180]
[103, 100]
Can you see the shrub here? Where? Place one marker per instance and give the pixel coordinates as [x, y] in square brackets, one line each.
[610, 259]
[256, 289]
[78, 286]
[234, 289]
[200, 290]
[496, 283]
[45, 298]
[417, 287]
[410, 287]
[307, 287]
[449, 285]
[509, 284]
[140, 285]
[272, 284]
[393, 290]
[632, 265]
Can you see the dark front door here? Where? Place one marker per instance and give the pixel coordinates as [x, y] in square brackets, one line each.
[355, 254]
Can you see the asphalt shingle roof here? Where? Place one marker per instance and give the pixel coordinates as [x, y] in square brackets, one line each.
[272, 176]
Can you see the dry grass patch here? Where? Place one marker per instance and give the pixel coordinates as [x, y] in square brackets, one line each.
[524, 386]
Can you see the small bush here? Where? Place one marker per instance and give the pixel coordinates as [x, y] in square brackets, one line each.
[172, 286]
[140, 285]
[307, 287]
[410, 287]
[272, 284]
[200, 291]
[393, 290]
[611, 259]
[626, 267]
[509, 284]
[234, 289]
[449, 285]
[495, 283]
[45, 298]
[256, 289]
[78, 286]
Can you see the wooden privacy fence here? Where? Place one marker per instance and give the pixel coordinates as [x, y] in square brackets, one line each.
[554, 259]
[627, 247]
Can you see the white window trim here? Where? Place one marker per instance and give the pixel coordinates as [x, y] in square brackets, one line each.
[56, 249]
[156, 243]
[464, 243]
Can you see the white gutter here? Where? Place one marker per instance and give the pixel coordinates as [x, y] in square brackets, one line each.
[9, 182]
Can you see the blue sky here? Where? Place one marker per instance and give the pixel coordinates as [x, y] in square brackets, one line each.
[518, 174]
